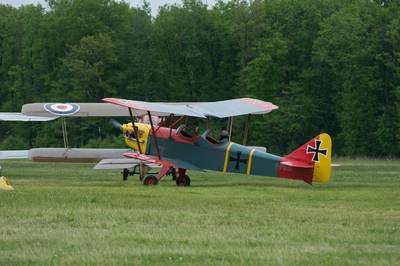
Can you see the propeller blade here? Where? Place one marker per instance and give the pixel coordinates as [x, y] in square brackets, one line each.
[116, 124]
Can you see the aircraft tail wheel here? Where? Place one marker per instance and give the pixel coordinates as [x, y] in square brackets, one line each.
[150, 180]
[125, 174]
[183, 181]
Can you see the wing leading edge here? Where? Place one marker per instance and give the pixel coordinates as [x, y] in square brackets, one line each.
[219, 109]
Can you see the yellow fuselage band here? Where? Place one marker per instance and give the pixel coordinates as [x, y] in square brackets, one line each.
[227, 156]
[250, 161]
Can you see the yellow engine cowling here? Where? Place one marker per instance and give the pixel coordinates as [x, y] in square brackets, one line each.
[143, 131]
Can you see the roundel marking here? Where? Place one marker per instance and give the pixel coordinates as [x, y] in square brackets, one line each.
[63, 109]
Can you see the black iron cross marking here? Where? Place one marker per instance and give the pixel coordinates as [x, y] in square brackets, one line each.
[316, 150]
[237, 160]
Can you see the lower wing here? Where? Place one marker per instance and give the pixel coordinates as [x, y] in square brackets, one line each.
[18, 154]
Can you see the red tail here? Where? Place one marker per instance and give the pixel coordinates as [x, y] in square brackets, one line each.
[310, 163]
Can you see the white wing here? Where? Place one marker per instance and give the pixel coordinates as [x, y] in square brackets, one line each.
[125, 163]
[20, 154]
[219, 109]
[22, 117]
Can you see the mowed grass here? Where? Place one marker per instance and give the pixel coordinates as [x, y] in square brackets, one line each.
[71, 214]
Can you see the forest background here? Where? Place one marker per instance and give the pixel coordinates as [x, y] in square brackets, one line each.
[330, 65]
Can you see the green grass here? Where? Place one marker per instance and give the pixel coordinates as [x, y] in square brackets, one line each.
[71, 214]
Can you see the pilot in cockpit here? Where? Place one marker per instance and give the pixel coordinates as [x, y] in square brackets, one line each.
[224, 136]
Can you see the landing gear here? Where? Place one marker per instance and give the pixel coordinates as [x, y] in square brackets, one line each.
[125, 174]
[172, 172]
[136, 170]
[150, 180]
[183, 179]
[140, 169]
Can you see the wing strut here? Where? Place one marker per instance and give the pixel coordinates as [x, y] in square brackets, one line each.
[64, 132]
[135, 130]
[246, 130]
[229, 127]
[154, 135]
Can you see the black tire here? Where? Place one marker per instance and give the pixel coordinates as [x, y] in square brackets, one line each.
[183, 181]
[125, 174]
[150, 180]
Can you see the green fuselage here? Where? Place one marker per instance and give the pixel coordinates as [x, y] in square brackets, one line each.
[201, 154]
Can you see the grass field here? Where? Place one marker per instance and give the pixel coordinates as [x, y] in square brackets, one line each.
[71, 214]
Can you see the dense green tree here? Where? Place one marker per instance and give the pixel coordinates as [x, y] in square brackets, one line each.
[90, 65]
[330, 65]
[355, 46]
[189, 48]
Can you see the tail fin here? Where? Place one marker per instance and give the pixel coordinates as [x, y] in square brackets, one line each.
[311, 162]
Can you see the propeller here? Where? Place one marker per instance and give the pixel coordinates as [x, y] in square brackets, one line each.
[116, 124]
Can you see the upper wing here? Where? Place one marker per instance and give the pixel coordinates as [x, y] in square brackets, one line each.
[55, 110]
[22, 117]
[235, 107]
[49, 111]
[159, 109]
[220, 109]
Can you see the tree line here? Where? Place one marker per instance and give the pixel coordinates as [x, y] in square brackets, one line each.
[330, 65]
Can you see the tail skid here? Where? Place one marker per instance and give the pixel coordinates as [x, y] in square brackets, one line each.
[310, 163]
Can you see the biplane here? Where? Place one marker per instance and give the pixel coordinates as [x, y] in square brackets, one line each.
[164, 138]
[179, 150]
[105, 158]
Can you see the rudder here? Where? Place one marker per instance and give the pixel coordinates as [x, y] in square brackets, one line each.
[322, 168]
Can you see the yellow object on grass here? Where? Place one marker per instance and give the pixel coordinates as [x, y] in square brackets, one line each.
[5, 184]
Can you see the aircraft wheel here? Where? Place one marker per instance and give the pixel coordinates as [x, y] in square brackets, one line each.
[125, 174]
[150, 180]
[183, 181]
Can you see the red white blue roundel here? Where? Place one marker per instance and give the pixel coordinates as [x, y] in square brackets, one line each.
[62, 108]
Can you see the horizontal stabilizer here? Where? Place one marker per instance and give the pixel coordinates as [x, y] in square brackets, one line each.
[298, 164]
